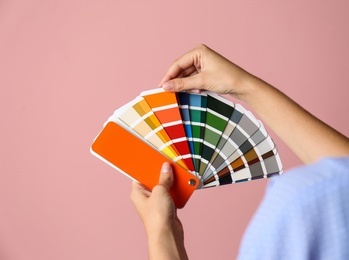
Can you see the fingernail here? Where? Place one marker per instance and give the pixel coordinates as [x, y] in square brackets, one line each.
[168, 86]
[195, 91]
[166, 167]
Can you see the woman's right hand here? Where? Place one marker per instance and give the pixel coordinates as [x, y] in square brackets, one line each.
[204, 69]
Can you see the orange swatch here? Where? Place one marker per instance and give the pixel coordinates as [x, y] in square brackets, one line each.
[136, 159]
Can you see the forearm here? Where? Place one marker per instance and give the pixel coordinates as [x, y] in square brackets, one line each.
[308, 137]
[166, 245]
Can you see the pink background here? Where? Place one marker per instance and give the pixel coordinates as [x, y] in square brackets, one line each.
[66, 65]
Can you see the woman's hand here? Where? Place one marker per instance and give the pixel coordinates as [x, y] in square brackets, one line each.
[204, 69]
[159, 216]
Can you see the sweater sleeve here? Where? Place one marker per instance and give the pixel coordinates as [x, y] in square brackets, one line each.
[304, 215]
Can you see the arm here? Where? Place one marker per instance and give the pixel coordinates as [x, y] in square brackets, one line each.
[159, 215]
[308, 137]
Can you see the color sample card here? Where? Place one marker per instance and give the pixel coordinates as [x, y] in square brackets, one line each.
[166, 109]
[183, 102]
[197, 113]
[205, 135]
[127, 153]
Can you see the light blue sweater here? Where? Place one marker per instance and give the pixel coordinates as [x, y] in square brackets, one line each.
[304, 215]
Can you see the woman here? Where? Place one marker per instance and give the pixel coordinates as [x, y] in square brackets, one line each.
[310, 215]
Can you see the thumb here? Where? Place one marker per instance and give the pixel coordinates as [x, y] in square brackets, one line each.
[166, 176]
[184, 84]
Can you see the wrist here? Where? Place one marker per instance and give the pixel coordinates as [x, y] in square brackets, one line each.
[165, 235]
[251, 89]
[166, 243]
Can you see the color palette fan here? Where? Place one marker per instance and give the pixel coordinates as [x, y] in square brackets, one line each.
[209, 140]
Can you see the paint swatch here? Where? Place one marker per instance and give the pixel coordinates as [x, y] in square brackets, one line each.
[217, 141]
[166, 109]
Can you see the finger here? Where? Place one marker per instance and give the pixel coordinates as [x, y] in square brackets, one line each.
[166, 176]
[188, 72]
[186, 61]
[194, 73]
[185, 84]
[139, 192]
[136, 186]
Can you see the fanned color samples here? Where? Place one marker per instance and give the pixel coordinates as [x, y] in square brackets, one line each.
[216, 141]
